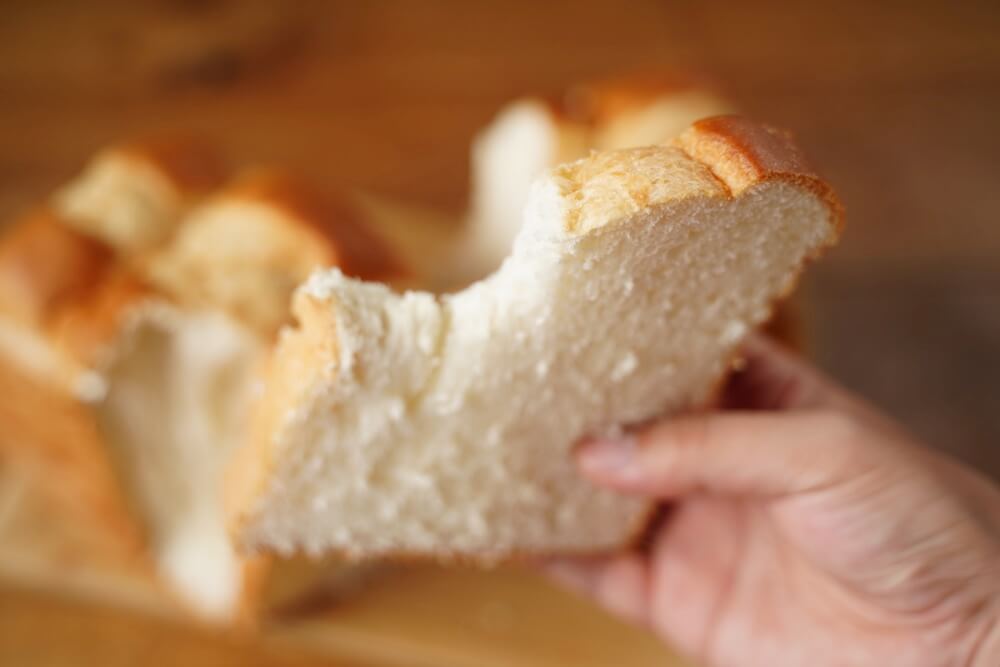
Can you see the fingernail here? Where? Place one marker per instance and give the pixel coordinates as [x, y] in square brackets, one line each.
[615, 457]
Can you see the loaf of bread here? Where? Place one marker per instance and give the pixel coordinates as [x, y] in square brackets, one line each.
[442, 426]
[158, 338]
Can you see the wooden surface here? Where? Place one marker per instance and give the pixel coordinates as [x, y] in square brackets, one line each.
[417, 616]
[897, 103]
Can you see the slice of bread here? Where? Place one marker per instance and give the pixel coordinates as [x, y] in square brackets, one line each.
[411, 424]
[532, 135]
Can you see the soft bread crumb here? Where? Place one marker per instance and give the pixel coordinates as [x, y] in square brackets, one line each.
[176, 396]
[443, 426]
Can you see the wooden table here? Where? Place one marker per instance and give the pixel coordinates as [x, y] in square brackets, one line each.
[898, 105]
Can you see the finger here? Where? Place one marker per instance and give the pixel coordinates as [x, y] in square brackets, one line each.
[579, 575]
[618, 583]
[728, 453]
[771, 377]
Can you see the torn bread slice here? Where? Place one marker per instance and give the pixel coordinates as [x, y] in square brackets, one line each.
[532, 135]
[410, 424]
[132, 196]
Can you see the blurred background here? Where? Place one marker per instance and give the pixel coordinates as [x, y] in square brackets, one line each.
[896, 103]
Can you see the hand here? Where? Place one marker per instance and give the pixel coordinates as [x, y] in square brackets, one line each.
[804, 528]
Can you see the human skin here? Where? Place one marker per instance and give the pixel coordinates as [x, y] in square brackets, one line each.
[802, 527]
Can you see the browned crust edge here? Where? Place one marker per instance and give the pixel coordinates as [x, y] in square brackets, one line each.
[742, 153]
[45, 265]
[352, 244]
[86, 329]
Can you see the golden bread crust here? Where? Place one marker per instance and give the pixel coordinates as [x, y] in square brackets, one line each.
[45, 265]
[251, 244]
[314, 345]
[339, 227]
[742, 153]
[87, 328]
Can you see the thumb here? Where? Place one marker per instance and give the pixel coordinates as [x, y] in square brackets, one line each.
[730, 453]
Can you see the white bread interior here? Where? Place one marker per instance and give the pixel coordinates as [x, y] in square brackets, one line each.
[525, 138]
[413, 424]
[178, 391]
[529, 136]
